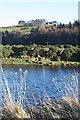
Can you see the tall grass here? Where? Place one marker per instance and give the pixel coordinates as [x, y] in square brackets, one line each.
[15, 99]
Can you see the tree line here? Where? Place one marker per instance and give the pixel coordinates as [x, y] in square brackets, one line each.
[50, 34]
[33, 22]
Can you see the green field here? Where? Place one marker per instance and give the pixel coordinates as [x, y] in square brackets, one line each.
[22, 29]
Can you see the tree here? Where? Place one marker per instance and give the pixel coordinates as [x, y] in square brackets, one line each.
[76, 23]
[21, 23]
[70, 25]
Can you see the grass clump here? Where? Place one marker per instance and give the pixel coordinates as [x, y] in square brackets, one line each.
[66, 108]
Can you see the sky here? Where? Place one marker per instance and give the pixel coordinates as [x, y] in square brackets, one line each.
[13, 11]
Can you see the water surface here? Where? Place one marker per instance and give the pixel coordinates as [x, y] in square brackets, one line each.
[42, 81]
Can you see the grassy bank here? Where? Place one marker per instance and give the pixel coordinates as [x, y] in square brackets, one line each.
[19, 61]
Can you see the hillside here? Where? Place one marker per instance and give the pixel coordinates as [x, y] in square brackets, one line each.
[49, 34]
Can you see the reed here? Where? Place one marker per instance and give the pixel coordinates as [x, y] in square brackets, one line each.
[18, 106]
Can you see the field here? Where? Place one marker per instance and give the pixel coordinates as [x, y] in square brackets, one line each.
[22, 29]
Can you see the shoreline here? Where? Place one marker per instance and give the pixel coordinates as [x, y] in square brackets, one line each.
[17, 61]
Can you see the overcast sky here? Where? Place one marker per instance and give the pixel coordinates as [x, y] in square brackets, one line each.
[12, 12]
